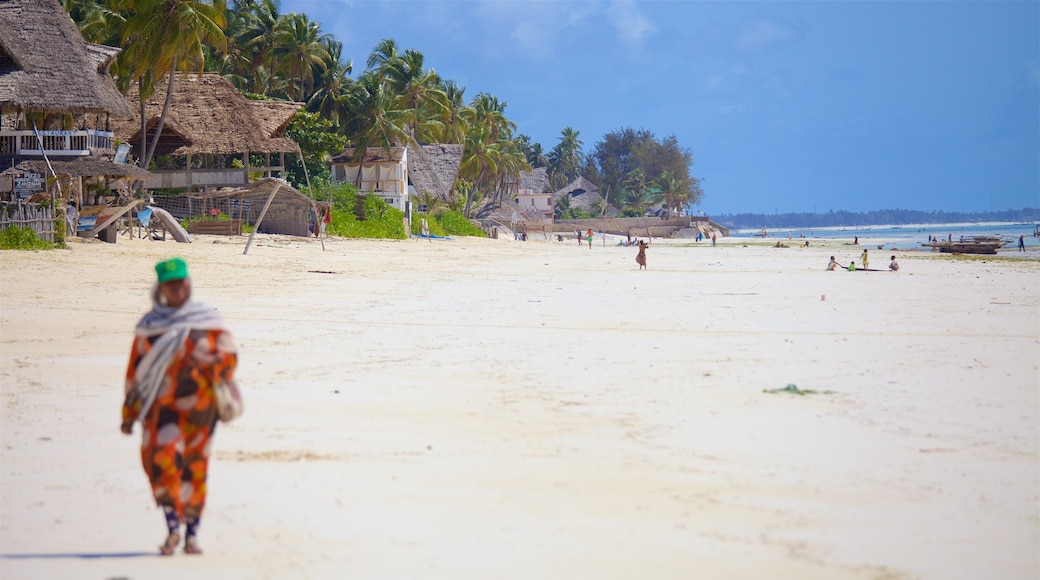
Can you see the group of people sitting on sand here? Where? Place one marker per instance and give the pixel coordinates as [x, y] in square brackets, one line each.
[864, 260]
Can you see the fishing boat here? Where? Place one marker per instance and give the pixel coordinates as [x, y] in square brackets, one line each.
[971, 245]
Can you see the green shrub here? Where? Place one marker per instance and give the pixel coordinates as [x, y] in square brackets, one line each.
[455, 224]
[19, 238]
[381, 220]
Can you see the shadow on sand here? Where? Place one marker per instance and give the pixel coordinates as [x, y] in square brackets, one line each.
[81, 556]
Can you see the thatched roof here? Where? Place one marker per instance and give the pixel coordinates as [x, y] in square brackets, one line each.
[209, 115]
[45, 65]
[86, 167]
[582, 193]
[372, 155]
[431, 168]
[536, 180]
[505, 210]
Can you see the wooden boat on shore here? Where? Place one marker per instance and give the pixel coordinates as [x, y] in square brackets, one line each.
[972, 245]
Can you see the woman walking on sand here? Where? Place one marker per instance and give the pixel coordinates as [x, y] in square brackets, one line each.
[641, 256]
[181, 352]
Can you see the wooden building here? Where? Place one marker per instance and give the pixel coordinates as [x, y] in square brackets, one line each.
[209, 134]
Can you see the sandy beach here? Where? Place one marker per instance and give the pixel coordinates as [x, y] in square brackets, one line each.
[498, 409]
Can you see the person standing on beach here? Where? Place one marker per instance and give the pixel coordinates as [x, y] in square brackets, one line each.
[865, 259]
[424, 229]
[588, 237]
[1021, 243]
[181, 351]
[641, 256]
[713, 239]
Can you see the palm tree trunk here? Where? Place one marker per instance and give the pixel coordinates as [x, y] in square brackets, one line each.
[162, 117]
[144, 125]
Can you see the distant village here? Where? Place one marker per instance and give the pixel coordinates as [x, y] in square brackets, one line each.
[70, 142]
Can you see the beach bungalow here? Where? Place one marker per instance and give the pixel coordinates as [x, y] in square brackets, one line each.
[395, 174]
[531, 191]
[583, 194]
[210, 133]
[57, 101]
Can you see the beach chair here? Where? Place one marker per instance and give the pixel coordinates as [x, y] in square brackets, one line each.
[153, 228]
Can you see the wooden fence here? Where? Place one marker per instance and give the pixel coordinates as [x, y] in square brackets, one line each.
[28, 215]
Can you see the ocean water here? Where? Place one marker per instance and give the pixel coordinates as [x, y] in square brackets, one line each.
[904, 237]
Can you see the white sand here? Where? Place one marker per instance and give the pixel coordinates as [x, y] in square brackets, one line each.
[497, 409]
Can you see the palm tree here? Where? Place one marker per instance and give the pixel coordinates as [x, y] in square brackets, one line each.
[299, 48]
[638, 196]
[433, 203]
[331, 89]
[532, 151]
[456, 115]
[419, 92]
[479, 163]
[375, 120]
[161, 37]
[96, 20]
[562, 207]
[565, 159]
[251, 28]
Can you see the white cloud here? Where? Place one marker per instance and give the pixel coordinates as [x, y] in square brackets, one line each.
[631, 24]
[761, 35]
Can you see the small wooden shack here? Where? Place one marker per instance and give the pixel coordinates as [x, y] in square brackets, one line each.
[224, 211]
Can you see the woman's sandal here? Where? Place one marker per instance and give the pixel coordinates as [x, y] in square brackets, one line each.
[191, 545]
[170, 544]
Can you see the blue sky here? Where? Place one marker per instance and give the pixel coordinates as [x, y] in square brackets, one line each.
[787, 106]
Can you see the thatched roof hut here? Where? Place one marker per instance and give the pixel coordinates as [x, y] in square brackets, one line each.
[431, 168]
[535, 180]
[86, 167]
[209, 116]
[583, 194]
[47, 66]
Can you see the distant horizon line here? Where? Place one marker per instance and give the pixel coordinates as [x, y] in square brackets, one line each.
[869, 211]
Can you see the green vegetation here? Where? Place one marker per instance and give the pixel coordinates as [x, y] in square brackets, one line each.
[450, 223]
[20, 238]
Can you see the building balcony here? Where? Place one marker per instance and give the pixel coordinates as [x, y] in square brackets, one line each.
[55, 143]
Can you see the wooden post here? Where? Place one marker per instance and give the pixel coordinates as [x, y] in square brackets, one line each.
[259, 220]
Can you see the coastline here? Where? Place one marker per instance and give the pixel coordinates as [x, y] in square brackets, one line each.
[472, 408]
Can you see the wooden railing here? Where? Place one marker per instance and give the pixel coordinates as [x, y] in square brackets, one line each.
[57, 143]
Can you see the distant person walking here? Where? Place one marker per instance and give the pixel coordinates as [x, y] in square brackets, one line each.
[182, 352]
[588, 237]
[641, 256]
[713, 239]
[1021, 243]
